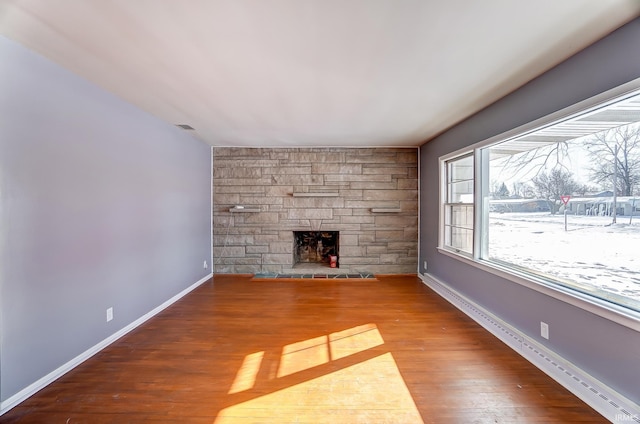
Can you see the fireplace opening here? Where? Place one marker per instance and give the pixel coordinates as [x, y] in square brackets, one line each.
[316, 247]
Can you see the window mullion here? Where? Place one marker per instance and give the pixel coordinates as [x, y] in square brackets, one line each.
[481, 199]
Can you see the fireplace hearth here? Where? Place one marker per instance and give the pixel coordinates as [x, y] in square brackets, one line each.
[316, 247]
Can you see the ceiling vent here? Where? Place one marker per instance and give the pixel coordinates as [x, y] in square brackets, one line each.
[185, 127]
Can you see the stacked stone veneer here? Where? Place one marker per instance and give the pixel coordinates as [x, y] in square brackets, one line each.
[271, 181]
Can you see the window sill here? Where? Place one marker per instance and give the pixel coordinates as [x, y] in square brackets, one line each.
[602, 308]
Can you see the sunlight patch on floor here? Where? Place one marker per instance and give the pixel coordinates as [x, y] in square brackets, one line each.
[310, 353]
[354, 340]
[368, 392]
[248, 372]
[306, 354]
[303, 355]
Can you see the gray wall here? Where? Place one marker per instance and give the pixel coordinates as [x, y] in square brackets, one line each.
[101, 205]
[610, 352]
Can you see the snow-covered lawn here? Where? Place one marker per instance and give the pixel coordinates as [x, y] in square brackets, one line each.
[592, 252]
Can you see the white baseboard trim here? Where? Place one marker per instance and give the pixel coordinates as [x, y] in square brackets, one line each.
[57, 373]
[612, 405]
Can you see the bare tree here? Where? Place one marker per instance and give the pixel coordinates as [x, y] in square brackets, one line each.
[549, 156]
[584, 189]
[501, 192]
[553, 184]
[522, 190]
[616, 152]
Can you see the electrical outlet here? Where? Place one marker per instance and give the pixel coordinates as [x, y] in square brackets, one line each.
[206, 265]
[424, 265]
[109, 314]
[544, 330]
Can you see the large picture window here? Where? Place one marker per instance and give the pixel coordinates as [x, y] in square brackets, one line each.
[558, 204]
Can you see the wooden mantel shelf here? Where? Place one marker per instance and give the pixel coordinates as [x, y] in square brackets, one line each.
[386, 210]
[245, 210]
[318, 194]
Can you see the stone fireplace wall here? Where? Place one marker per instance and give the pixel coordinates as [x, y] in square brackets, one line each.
[369, 195]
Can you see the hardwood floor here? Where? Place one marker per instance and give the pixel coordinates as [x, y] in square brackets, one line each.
[238, 350]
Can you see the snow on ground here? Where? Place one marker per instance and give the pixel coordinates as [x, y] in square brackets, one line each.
[599, 257]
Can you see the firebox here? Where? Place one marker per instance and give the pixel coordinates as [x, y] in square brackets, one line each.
[316, 247]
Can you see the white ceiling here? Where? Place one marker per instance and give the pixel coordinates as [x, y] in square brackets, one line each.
[303, 73]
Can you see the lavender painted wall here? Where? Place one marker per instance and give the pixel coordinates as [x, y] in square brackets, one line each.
[102, 205]
[608, 351]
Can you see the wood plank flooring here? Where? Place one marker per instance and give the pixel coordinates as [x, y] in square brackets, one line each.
[237, 350]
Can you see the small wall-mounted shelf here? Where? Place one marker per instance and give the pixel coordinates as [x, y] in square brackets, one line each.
[386, 210]
[318, 194]
[236, 209]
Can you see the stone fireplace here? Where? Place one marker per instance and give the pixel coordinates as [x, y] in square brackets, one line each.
[315, 247]
[262, 197]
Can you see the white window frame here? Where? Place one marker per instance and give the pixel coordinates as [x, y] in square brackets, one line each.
[601, 307]
[446, 204]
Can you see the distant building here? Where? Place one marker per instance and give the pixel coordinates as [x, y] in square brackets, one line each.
[606, 193]
[596, 205]
[518, 205]
[603, 206]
